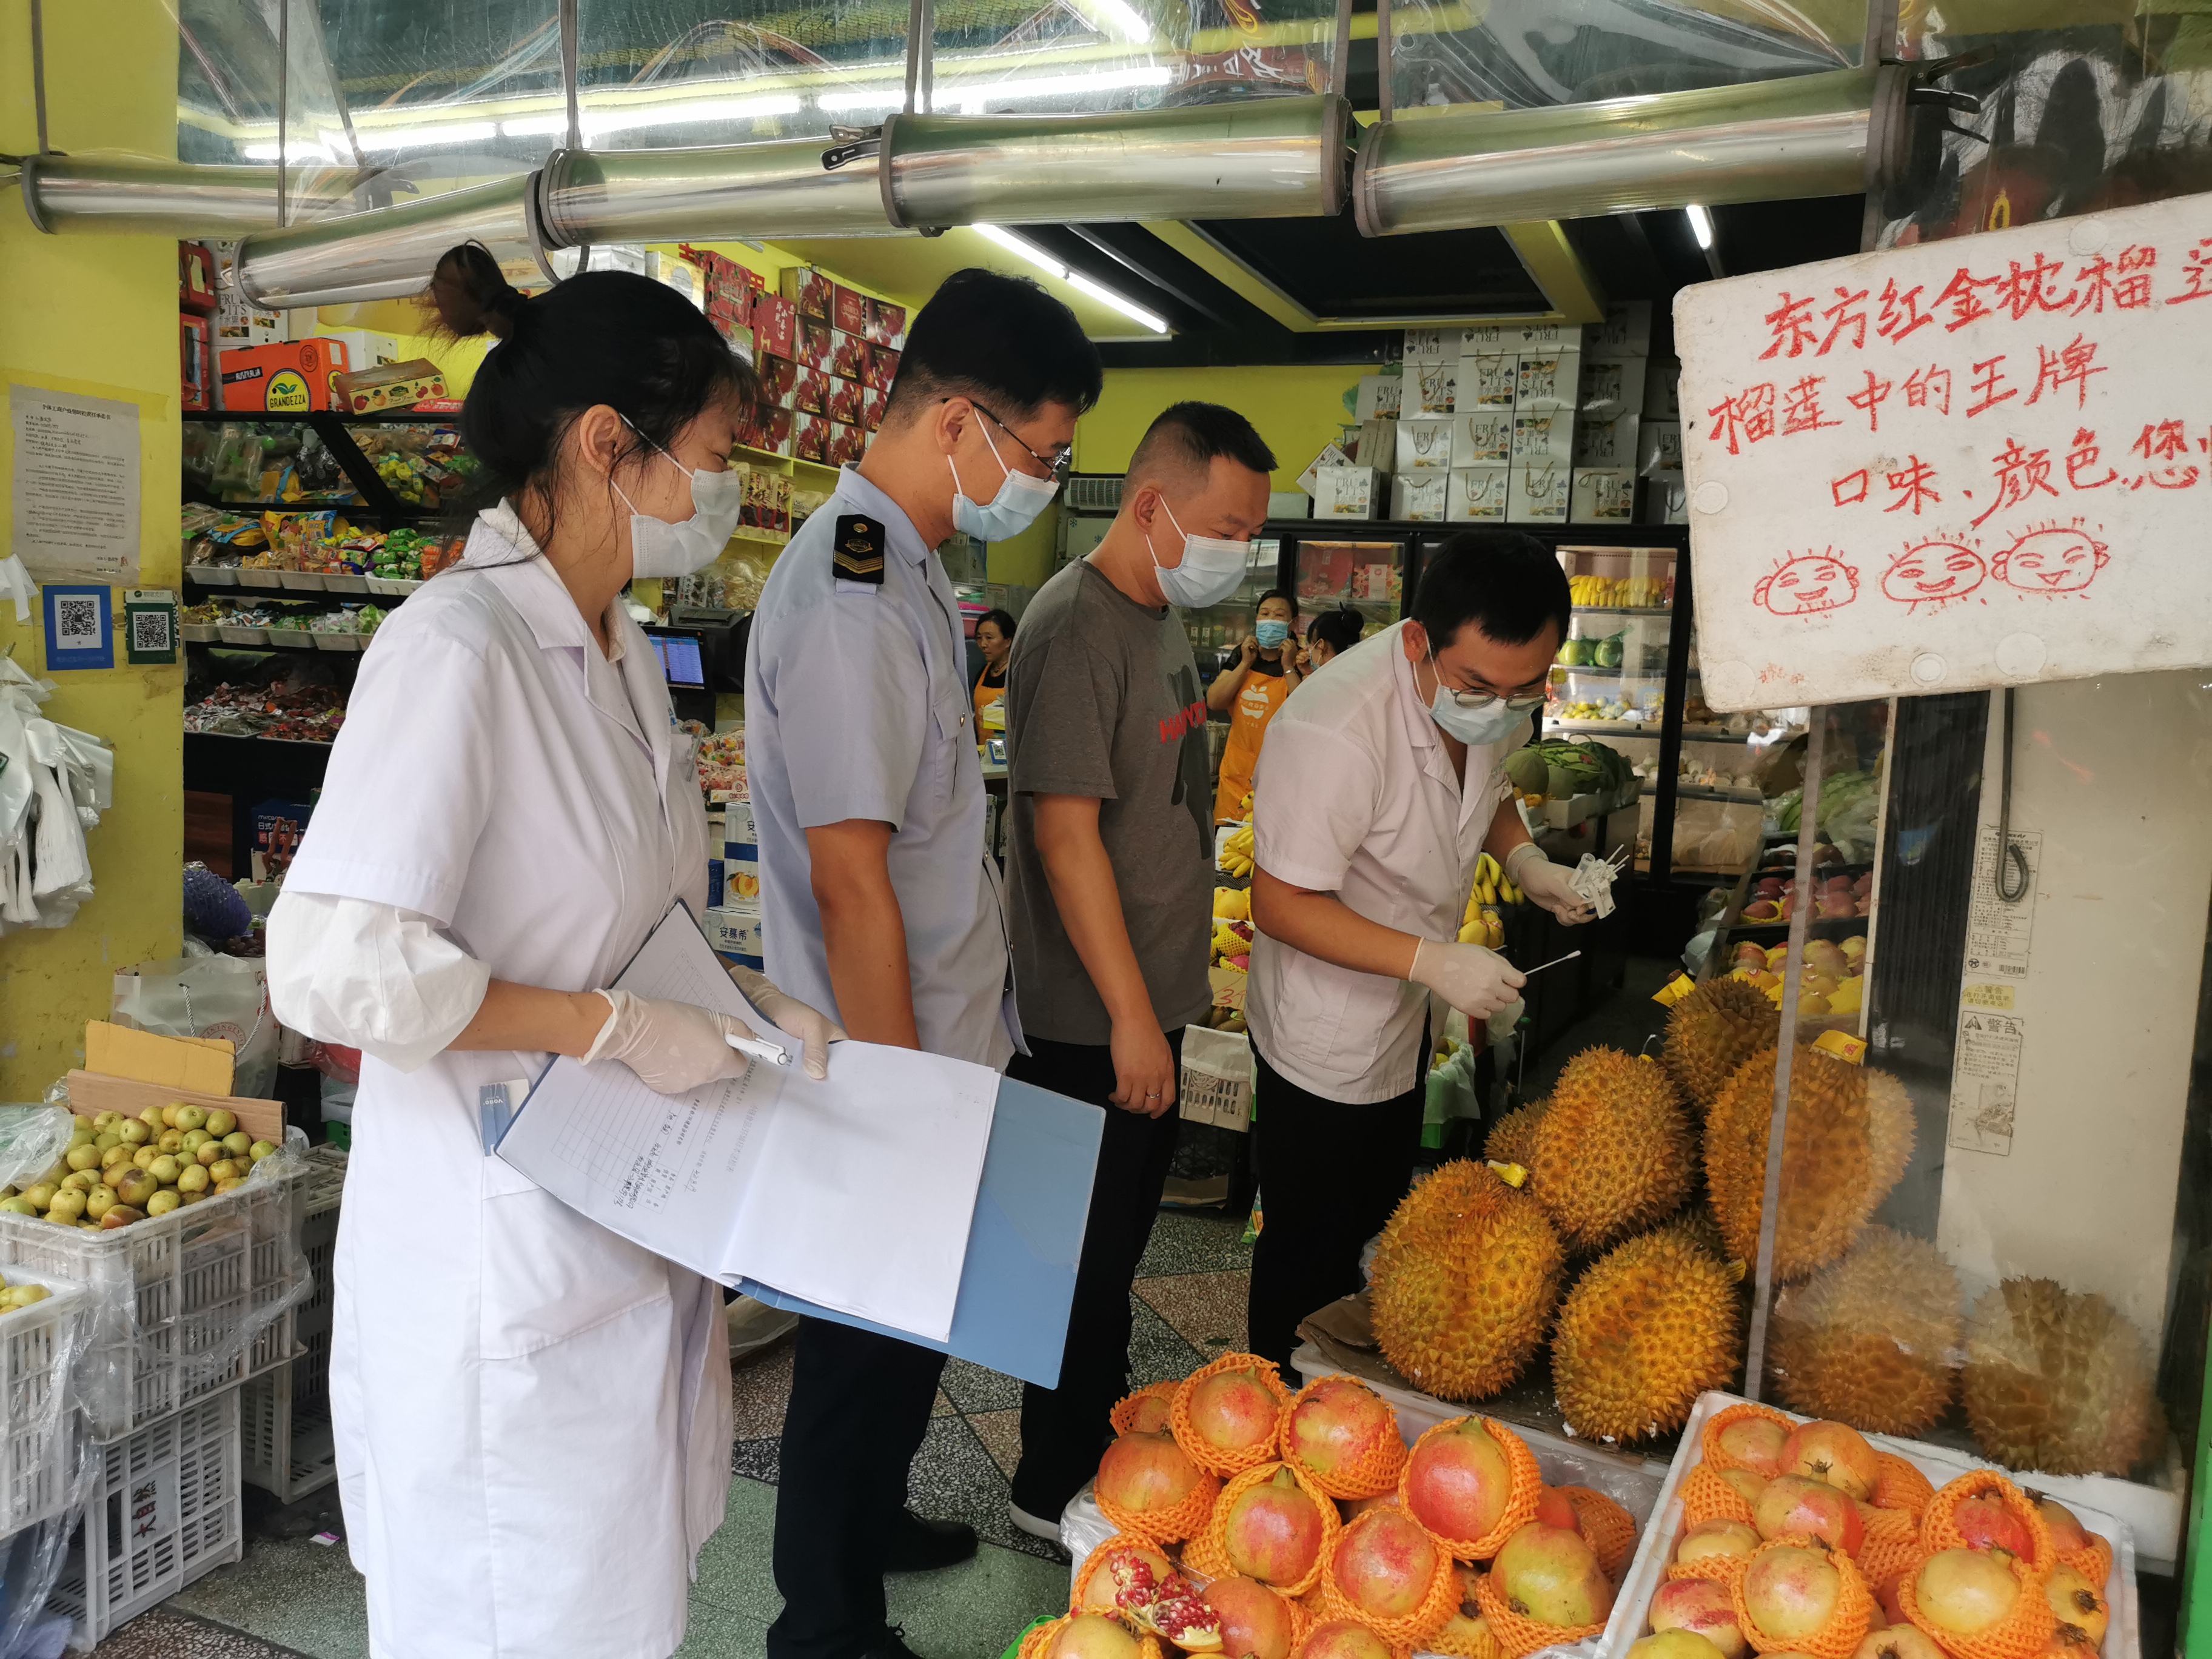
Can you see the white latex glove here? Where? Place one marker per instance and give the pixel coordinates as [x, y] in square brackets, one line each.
[1546, 883]
[792, 1017]
[1475, 981]
[673, 1046]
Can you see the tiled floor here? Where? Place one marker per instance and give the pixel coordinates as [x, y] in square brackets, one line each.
[291, 1596]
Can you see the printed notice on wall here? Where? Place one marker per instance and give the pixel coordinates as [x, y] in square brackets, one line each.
[1955, 465]
[1985, 1077]
[1998, 935]
[75, 486]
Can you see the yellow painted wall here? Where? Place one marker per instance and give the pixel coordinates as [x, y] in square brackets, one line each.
[1296, 411]
[100, 310]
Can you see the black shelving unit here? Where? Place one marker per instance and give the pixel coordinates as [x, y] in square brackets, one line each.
[377, 502]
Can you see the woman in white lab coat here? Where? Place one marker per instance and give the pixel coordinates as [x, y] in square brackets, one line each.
[533, 1414]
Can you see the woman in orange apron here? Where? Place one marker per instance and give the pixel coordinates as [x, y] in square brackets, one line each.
[1265, 670]
[994, 638]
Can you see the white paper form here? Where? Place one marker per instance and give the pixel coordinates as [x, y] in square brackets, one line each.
[856, 1193]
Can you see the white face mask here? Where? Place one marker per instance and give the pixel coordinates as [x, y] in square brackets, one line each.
[1493, 722]
[1211, 568]
[658, 548]
[1006, 514]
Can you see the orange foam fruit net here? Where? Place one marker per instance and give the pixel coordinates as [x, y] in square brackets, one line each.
[1520, 1507]
[1213, 1459]
[1847, 1625]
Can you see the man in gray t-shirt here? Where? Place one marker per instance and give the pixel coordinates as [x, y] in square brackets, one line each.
[1110, 875]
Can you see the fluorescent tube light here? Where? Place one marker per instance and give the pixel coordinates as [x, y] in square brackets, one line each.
[1128, 307]
[1037, 256]
[1027, 249]
[1701, 225]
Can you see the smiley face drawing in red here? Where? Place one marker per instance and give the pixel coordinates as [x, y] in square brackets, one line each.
[1807, 584]
[2056, 560]
[1934, 573]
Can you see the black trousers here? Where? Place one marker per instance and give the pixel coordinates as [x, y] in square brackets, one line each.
[1065, 1429]
[860, 1407]
[1330, 1174]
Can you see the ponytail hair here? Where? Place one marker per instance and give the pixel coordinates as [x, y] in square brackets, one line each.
[1339, 630]
[602, 336]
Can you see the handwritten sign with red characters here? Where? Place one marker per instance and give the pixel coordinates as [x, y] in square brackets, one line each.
[1957, 464]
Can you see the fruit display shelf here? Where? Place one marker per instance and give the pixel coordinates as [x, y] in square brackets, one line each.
[2121, 1511]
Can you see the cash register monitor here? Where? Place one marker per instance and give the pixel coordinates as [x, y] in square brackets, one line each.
[683, 666]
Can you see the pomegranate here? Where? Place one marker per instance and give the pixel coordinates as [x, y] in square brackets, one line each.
[2068, 1534]
[1467, 1630]
[1833, 1453]
[2078, 1602]
[1336, 1424]
[1754, 1443]
[1550, 1575]
[1150, 1415]
[1164, 1605]
[1985, 1523]
[1255, 1622]
[1797, 1503]
[1384, 1565]
[1964, 1591]
[1344, 1639]
[1792, 1591]
[1900, 1641]
[1702, 1605]
[1886, 1598]
[1713, 1538]
[1233, 1411]
[1098, 1593]
[1747, 1486]
[1145, 1473]
[1458, 1481]
[1352, 1508]
[1093, 1635]
[1673, 1644]
[1556, 1508]
[1273, 1531]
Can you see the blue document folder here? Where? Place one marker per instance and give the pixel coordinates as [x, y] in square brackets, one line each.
[1010, 1314]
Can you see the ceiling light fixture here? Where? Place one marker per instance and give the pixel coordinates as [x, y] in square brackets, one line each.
[1130, 23]
[1701, 225]
[1024, 248]
[972, 99]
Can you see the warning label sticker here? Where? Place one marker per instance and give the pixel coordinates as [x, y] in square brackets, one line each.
[1986, 1077]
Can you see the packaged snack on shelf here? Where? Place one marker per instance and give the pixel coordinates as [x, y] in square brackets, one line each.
[778, 375]
[818, 343]
[887, 323]
[872, 404]
[847, 355]
[810, 438]
[807, 289]
[810, 392]
[775, 326]
[843, 402]
[294, 376]
[389, 387]
[848, 310]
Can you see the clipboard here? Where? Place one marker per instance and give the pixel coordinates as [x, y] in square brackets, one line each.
[1018, 1282]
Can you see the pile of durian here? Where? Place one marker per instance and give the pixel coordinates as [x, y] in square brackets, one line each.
[1616, 1222]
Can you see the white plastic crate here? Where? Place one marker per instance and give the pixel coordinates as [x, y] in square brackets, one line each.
[1940, 1464]
[37, 1426]
[169, 1297]
[284, 1416]
[1216, 1085]
[164, 1511]
[287, 1445]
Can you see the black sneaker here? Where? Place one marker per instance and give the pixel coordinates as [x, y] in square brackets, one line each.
[893, 1646]
[923, 1546]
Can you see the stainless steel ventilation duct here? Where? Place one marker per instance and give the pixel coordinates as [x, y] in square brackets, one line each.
[125, 193]
[779, 189]
[389, 252]
[1831, 134]
[1251, 159]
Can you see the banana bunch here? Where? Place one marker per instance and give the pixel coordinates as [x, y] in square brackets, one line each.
[1619, 592]
[1236, 853]
[1490, 887]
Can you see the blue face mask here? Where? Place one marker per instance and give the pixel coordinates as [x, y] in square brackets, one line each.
[1009, 513]
[1271, 634]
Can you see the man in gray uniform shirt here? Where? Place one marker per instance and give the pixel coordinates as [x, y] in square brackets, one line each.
[1109, 877]
[878, 896]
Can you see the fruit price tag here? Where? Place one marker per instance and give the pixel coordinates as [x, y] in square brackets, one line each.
[1843, 1048]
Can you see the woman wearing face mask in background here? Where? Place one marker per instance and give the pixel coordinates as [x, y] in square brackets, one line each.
[1330, 635]
[1265, 670]
[533, 1414]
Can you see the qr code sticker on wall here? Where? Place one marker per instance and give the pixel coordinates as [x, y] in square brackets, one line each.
[76, 624]
[149, 630]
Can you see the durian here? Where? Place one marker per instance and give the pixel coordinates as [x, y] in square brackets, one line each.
[1613, 1154]
[1648, 1329]
[2058, 1382]
[1870, 1341]
[1849, 1140]
[1713, 1030]
[1464, 1282]
[1513, 1137]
